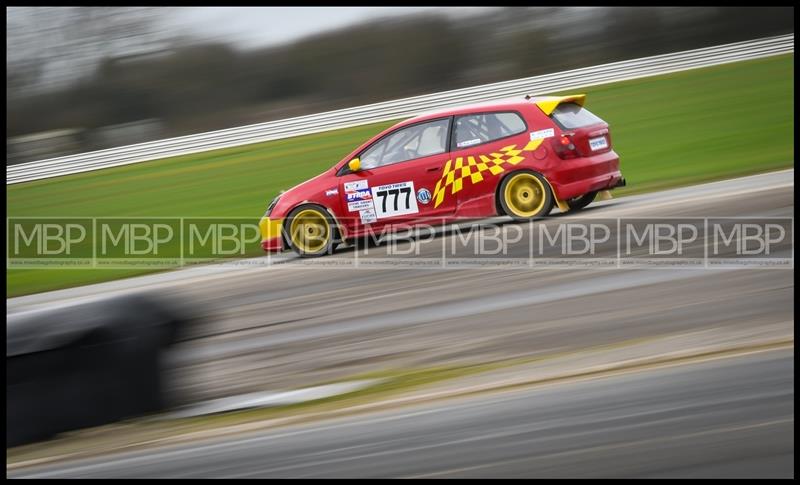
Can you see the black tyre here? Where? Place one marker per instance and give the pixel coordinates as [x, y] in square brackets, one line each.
[578, 203]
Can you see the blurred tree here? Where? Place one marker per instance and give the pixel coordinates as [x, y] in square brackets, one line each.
[633, 32]
[66, 43]
[95, 66]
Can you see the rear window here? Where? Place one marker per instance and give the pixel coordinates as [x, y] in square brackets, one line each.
[573, 115]
[475, 129]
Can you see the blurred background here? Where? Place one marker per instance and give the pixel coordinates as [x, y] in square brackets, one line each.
[88, 78]
[646, 372]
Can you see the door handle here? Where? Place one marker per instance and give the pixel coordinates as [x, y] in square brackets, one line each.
[434, 169]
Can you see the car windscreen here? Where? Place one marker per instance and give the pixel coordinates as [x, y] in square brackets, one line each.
[573, 115]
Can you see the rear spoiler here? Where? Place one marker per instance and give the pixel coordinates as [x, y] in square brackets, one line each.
[548, 103]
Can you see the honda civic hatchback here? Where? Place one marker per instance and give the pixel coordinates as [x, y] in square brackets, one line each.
[518, 158]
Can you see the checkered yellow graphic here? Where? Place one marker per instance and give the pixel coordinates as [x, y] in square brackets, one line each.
[475, 169]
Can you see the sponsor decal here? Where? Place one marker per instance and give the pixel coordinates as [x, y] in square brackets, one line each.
[538, 135]
[394, 200]
[468, 143]
[424, 195]
[331, 192]
[355, 186]
[359, 195]
[359, 205]
[368, 216]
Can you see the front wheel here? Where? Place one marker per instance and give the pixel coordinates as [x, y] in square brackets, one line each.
[310, 231]
[526, 195]
[578, 203]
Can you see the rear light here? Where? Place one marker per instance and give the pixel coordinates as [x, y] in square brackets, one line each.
[565, 147]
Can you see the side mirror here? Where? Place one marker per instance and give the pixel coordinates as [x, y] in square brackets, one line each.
[354, 165]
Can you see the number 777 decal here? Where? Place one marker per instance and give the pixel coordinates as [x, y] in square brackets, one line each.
[394, 200]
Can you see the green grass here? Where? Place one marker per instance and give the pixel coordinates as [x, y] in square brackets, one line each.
[672, 130]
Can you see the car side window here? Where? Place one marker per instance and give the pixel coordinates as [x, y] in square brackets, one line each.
[475, 129]
[421, 140]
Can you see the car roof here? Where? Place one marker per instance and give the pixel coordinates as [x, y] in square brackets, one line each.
[546, 103]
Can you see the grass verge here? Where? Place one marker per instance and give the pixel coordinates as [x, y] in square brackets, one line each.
[672, 130]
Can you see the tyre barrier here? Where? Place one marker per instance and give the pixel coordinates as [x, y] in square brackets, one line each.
[88, 364]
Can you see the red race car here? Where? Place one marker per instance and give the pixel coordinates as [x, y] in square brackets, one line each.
[515, 158]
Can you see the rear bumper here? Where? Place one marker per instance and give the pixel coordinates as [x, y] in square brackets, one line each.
[575, 177]
[271, 240]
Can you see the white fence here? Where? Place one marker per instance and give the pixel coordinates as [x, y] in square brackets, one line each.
[401, 108]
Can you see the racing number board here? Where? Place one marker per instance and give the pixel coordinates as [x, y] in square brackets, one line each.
[394, 200]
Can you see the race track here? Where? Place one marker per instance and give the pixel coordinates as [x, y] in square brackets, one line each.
[289, 326]
[727, 418]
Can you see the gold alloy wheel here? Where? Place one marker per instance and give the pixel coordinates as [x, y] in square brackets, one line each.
[310, 231]
[525, 195]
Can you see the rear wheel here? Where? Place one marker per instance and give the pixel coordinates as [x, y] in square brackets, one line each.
[526, 195]
[578, 203]
[310, 231]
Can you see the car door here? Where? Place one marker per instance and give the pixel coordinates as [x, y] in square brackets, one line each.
[398, 176]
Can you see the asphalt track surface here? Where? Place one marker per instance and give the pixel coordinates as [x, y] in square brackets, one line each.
[288, 326]
[731, 417]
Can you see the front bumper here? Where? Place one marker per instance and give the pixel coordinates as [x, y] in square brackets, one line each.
[271, 240]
